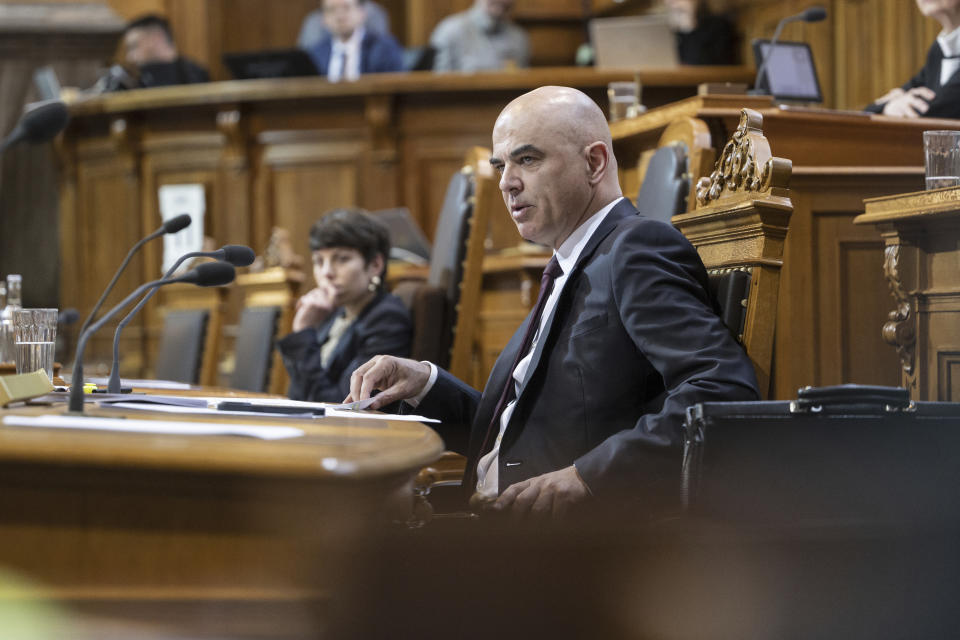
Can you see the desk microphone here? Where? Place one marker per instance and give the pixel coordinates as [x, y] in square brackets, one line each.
[813, 14]
[172, 225]
[213, 274]
[236, 254]
[40, 124]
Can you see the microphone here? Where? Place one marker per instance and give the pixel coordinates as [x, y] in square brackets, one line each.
[813, 14]
[235, 254]
[212, 274]
[40, 124]
[172, 225]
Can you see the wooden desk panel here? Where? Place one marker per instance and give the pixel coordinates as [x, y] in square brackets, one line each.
[128, 525]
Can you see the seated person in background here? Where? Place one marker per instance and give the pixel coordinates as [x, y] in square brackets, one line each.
[935, 91]
[588, 403]
[702, 37]
[348, 317]
[149, 46]
[350, 49]
[481, 38]
[314, 29]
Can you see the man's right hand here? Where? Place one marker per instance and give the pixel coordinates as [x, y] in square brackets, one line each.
[395, 378]
[907, 104]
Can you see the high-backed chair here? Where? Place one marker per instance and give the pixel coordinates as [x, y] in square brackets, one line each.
[666, 183]
[427, 305]
[256, 335]
[180, 354]
[739, 227]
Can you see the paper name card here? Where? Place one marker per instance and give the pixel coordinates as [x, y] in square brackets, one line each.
[24, 386]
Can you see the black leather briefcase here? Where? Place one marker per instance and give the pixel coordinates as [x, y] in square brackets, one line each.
[846, 455]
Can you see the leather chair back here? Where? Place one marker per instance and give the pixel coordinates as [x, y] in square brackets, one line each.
[431, 328]
[731, 288]
[666, 184]
[449, 240]
[180, 353]
[254, 350]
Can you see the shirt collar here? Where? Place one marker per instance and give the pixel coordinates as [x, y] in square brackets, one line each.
[949, 43]
[353, 42]
[569, 252]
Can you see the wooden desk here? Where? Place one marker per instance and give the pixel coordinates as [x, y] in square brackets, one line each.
[231, 536]
[280, 153]
[833, 299]
[921, 262]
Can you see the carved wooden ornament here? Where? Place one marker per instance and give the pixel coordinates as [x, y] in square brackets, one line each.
[745, 165]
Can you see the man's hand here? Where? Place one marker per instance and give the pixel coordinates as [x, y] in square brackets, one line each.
[395, 378]
[549, 495]
[907, 104]
[314, 307]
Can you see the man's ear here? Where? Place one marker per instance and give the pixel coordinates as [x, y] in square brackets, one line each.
[598, 161]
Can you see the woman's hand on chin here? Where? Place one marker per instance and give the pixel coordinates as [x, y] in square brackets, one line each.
[314, 307]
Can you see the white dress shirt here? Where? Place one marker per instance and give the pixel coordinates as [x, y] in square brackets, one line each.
[345, 58]
[950, 46]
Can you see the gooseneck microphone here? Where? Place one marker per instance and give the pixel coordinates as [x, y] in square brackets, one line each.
[236, 254]
[40, 124]
[213, 274]
[813, 14]
[172, 225]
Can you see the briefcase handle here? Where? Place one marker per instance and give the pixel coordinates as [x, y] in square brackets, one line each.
[855, 398]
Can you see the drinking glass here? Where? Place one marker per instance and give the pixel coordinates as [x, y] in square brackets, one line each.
[942, 158]
[34, 335]
[624, 99]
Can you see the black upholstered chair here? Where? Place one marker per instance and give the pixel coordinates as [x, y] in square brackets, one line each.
[428, 309]
[666, 183]
[730, 288]
[180, 354]
[254, 350]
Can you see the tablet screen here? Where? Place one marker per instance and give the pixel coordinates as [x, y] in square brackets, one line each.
[790, 74]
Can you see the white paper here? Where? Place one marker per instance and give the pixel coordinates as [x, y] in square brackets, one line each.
[177, 199]
[203, 411]
[153, 426]
[143, 384]
[340, 413]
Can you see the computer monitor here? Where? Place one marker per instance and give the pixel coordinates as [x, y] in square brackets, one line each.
[634, 42]
[277, 63]
[407, 240]
[790, 74]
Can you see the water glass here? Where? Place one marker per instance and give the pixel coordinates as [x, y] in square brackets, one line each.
[942, 158]
[624, 99]
[35, 335]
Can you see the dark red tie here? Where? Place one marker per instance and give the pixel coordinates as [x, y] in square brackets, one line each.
[550, 273]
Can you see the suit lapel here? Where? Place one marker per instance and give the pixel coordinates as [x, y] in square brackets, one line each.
[621, 210]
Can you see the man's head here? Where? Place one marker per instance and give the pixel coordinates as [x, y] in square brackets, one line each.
[149, 39]
[946, 12]
[343, 17]
[553, 151]
[496, 9]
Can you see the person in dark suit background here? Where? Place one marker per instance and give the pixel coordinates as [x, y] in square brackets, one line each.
[149, 46]
[351, 50]
[934, 92]
[703, 37]
[348, 317]
[590, 401]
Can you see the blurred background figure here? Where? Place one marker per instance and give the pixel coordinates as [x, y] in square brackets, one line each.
[350, 49]
[935, 91]
[149, 47]
[348, 318]
[702, 37]
[314, 29]
[481, 38]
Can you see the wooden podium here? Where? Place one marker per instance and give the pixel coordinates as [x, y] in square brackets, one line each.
[921, 263]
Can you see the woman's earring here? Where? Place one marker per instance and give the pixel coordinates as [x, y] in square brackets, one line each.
[374, 283]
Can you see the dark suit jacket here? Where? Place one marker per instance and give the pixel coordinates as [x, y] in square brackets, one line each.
[379, 53]
[383, 327]
[947, 102]
[633, 341]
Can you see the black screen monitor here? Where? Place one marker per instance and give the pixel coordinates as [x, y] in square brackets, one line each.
[790, 74]
[279, 63]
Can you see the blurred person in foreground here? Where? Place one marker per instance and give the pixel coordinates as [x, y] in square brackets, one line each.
[586, 402]
[348, 317]
[935, 91]
[149, 46]
[703, 37]
[483, 38]
[350, 50]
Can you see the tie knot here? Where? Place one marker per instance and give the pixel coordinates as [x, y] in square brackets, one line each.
[552, 270]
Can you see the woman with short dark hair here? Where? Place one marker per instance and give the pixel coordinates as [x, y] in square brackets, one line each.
[348, 317]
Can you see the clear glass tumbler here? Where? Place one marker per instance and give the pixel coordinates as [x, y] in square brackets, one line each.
[942, 158]
[35, 336]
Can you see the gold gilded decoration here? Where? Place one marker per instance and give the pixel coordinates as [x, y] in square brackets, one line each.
[899, 331]
[745, 165]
